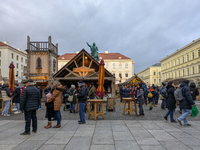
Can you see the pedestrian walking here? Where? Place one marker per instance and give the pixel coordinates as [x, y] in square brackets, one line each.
[164, 99]
[72, 96]
[194, 90]
[150, 97]
[170, 102]
[82, 98]
[29, 103]
[140, 97]
[121, 92]
[16, 97]
[91, 93]
[6, 95]
[56, 98]
[186, 104]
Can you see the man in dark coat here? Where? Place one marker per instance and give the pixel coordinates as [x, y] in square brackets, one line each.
[194, 90]
[121, 92]
[16, 97]
[82, 98]
[39, 87]
[29, 103]
[186, 104]
[126, 91]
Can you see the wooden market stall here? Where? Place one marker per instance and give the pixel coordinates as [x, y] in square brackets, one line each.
[133, 81]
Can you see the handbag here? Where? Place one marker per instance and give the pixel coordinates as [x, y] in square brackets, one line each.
[195, 111]
[161, 97]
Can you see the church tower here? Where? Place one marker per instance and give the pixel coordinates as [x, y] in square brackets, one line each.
[42, 60]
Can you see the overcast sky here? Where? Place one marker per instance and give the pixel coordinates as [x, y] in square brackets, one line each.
[144, 30]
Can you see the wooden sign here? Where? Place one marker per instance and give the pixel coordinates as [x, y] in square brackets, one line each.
[83, 71]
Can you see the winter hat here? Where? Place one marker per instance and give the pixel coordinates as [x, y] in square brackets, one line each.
[73, 86]
[186, 81]
[80, 82]
[91, 83]
[140, 84]
[163, 84]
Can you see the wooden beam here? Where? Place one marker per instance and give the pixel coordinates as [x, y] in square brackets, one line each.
[72, 72]
[90, 63]
[92, 74]
[76, 64]
[83, 59]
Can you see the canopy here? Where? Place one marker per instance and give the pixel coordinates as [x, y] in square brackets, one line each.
[100, 90]
[11, 78]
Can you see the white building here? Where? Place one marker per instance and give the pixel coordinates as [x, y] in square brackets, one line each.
[9, 54]
[119, 65]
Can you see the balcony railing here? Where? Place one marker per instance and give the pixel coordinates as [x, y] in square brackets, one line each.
[42, 46]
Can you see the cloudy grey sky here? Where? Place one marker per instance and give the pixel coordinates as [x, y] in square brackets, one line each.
[144, 30]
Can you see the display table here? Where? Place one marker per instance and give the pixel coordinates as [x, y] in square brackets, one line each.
[96, 113]
[130, 109]
[2, 106]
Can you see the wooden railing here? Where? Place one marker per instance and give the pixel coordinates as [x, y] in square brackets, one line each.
[42, 46]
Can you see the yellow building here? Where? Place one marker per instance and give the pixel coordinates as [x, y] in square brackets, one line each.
[183, 64]
[119, 65]
[151, 75]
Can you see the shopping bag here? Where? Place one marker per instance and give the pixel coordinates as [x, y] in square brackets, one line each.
[195, 111]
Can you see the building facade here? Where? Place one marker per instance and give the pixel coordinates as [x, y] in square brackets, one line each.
[9, 54]
[119, 65]
[183, 64]
[151, 75]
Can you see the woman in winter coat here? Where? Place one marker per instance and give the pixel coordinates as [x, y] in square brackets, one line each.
[56, 98]
[16, 97]
[150, 99]
[170, 102]
[72, 92]
[140, 97]
[6, 98]
[194, 90]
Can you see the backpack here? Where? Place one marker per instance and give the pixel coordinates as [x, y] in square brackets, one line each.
[150, 95]
[156, 91]
[178, 94]
[164, 93]
[71, 97]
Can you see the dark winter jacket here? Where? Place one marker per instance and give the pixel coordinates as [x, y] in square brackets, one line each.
[73, 92]
[82, 94]
[16, 96]
[40, 89]
[126, 91]
[91, 93]
[5, 88]
[121, 91]
[140, 93]
[145, 90]
[30, 99]
[0, 91]
[170, 101]
[194, 90]
[187, 102]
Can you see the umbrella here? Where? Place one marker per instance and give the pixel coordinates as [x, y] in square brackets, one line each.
[12, 77]
[100, 90]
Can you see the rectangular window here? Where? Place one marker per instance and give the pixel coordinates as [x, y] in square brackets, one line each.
[188, 57]
[154, 73]
[199, 53]
[192, 55]
[22, 67]
[17, 65]
[25, 61]
[154, 80]
[113, 66]
[0, 62]
[193, 70]
[178, 60]
[0, 53]
[114, 74]
[22, 74]
[159, 73]
[183, 72]
[188, 71]
[22, 59]
[183, 59]
[17, 73]
[120, 75]
[159, 80]
[17, 57]
[199, 68]
[12, 55]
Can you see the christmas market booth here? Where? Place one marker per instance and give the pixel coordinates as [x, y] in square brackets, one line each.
[133, 81]
[84, 67]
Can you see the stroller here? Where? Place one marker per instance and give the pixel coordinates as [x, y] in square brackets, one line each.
[65, 101]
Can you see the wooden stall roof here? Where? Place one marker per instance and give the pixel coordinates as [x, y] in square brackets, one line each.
[134, 80]
[81, 67]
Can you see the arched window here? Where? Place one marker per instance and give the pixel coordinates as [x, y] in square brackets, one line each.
[120, 65]
[54, 65]
[114, 74]
[126, 75]
[120, 75]
[126, 66]
[113, 66]
[39, 63]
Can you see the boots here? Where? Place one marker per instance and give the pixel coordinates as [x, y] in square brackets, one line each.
[48, 125]
[150, 108]
[57, 126]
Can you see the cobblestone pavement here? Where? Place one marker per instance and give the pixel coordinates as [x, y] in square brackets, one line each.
[156, 114]
[102, 135]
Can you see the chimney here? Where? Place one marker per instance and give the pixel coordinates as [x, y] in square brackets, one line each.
[5, 42]
[106, 52]
[77, 52]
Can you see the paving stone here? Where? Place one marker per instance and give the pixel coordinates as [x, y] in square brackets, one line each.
[161, 135]
[140, 134]
[79, 143]
[7, 134]
[190, 141]
[126, 145]
[147, 141]
[175, 145]
[149, 125]
[72, 125]
[136, 127]
[84, 133]
[29, 145]
[43, 135]
[193, 147]
[123, 136]
[102, 138]
[102, 147]
[118, 122]
[5, 122]
[149, 147]
[119, 128]
[52, 147]
[61, 137]
[179, 134]
[7, 147]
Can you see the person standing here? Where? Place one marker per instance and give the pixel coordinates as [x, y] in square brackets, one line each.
[140, 97]
[82, 98]
[194, 90]
[56, 98]
[6, 95]
[72, 93]
[145, 94]
[163, 101]
[16, 97]
[29, 103]
[39, 87]
[150, 97]
[121, 92]
[91, 93]
[170, 102]
[186, 104]
[126, 91]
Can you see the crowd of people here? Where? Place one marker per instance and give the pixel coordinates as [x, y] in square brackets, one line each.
[166, 93]
[28, 100]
